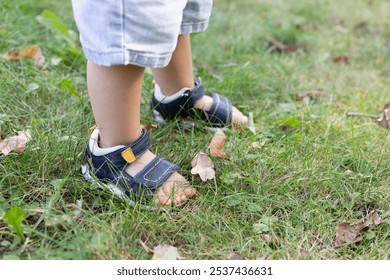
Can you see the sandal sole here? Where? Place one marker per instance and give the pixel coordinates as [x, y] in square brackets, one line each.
[90, 178]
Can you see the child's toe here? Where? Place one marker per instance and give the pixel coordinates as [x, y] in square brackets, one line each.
[239, 118]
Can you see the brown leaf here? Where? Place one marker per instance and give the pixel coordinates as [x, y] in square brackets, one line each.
[271, 239]
[310, 95]
[203, 166]
[265, 257]
[32, 52]
[347, 233]
[15, 143]
[302, 254]
[235, 256]
[217, 144]
[165, 252]
[371, 218]
[202, 239]
[149, 126]
[361, 25]
[341, 29]
[341, 59]
[259, 145]
[384, 118]
[279, 46]
[338, 21]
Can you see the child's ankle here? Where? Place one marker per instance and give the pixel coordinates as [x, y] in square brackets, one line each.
[161, 97]
[97, 147]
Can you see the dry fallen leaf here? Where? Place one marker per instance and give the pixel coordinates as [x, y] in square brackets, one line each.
[361, 25]
[165, 252]
[310, 95]
[32, 52]
[347, 233]
[384, 118]
[302, 254]
[15, 143]
[202, 239]
[259, 145]
[371, 218]
[341, 59]
[339, 23]
[271, 239]
[341, 29]
[279, 46]
[235, 256]
[217, 144]
[265, 257]
[202, 165]
[149, 126]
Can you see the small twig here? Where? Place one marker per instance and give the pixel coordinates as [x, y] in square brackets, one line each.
[355, 114]
[146, 247]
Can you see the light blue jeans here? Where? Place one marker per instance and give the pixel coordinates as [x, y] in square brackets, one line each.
[139, 32]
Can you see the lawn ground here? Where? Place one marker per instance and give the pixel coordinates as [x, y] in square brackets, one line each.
[284, 192]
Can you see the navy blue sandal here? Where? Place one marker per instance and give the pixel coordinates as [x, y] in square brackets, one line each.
[108, 171]
[219, 115]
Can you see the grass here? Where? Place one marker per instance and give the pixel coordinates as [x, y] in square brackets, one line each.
[316, 168]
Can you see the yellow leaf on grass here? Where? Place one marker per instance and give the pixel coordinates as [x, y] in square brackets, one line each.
[217, 144]
[203, 166]
[15, 143]
[32, 52]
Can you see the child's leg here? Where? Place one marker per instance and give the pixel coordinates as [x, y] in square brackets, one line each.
[115, 96]
[178, 74]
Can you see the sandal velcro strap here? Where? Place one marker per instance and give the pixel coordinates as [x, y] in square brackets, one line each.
[221, 111]
[150, 178]
[147, 181]
[190, 97]
[137, 148]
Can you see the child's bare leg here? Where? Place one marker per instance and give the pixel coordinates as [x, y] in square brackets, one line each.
[115, 94]
[178, 74]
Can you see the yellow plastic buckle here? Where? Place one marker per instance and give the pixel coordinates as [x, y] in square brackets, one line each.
[128, 155]
[91, 129]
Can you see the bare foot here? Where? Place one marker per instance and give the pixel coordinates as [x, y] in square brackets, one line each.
[175, 191]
